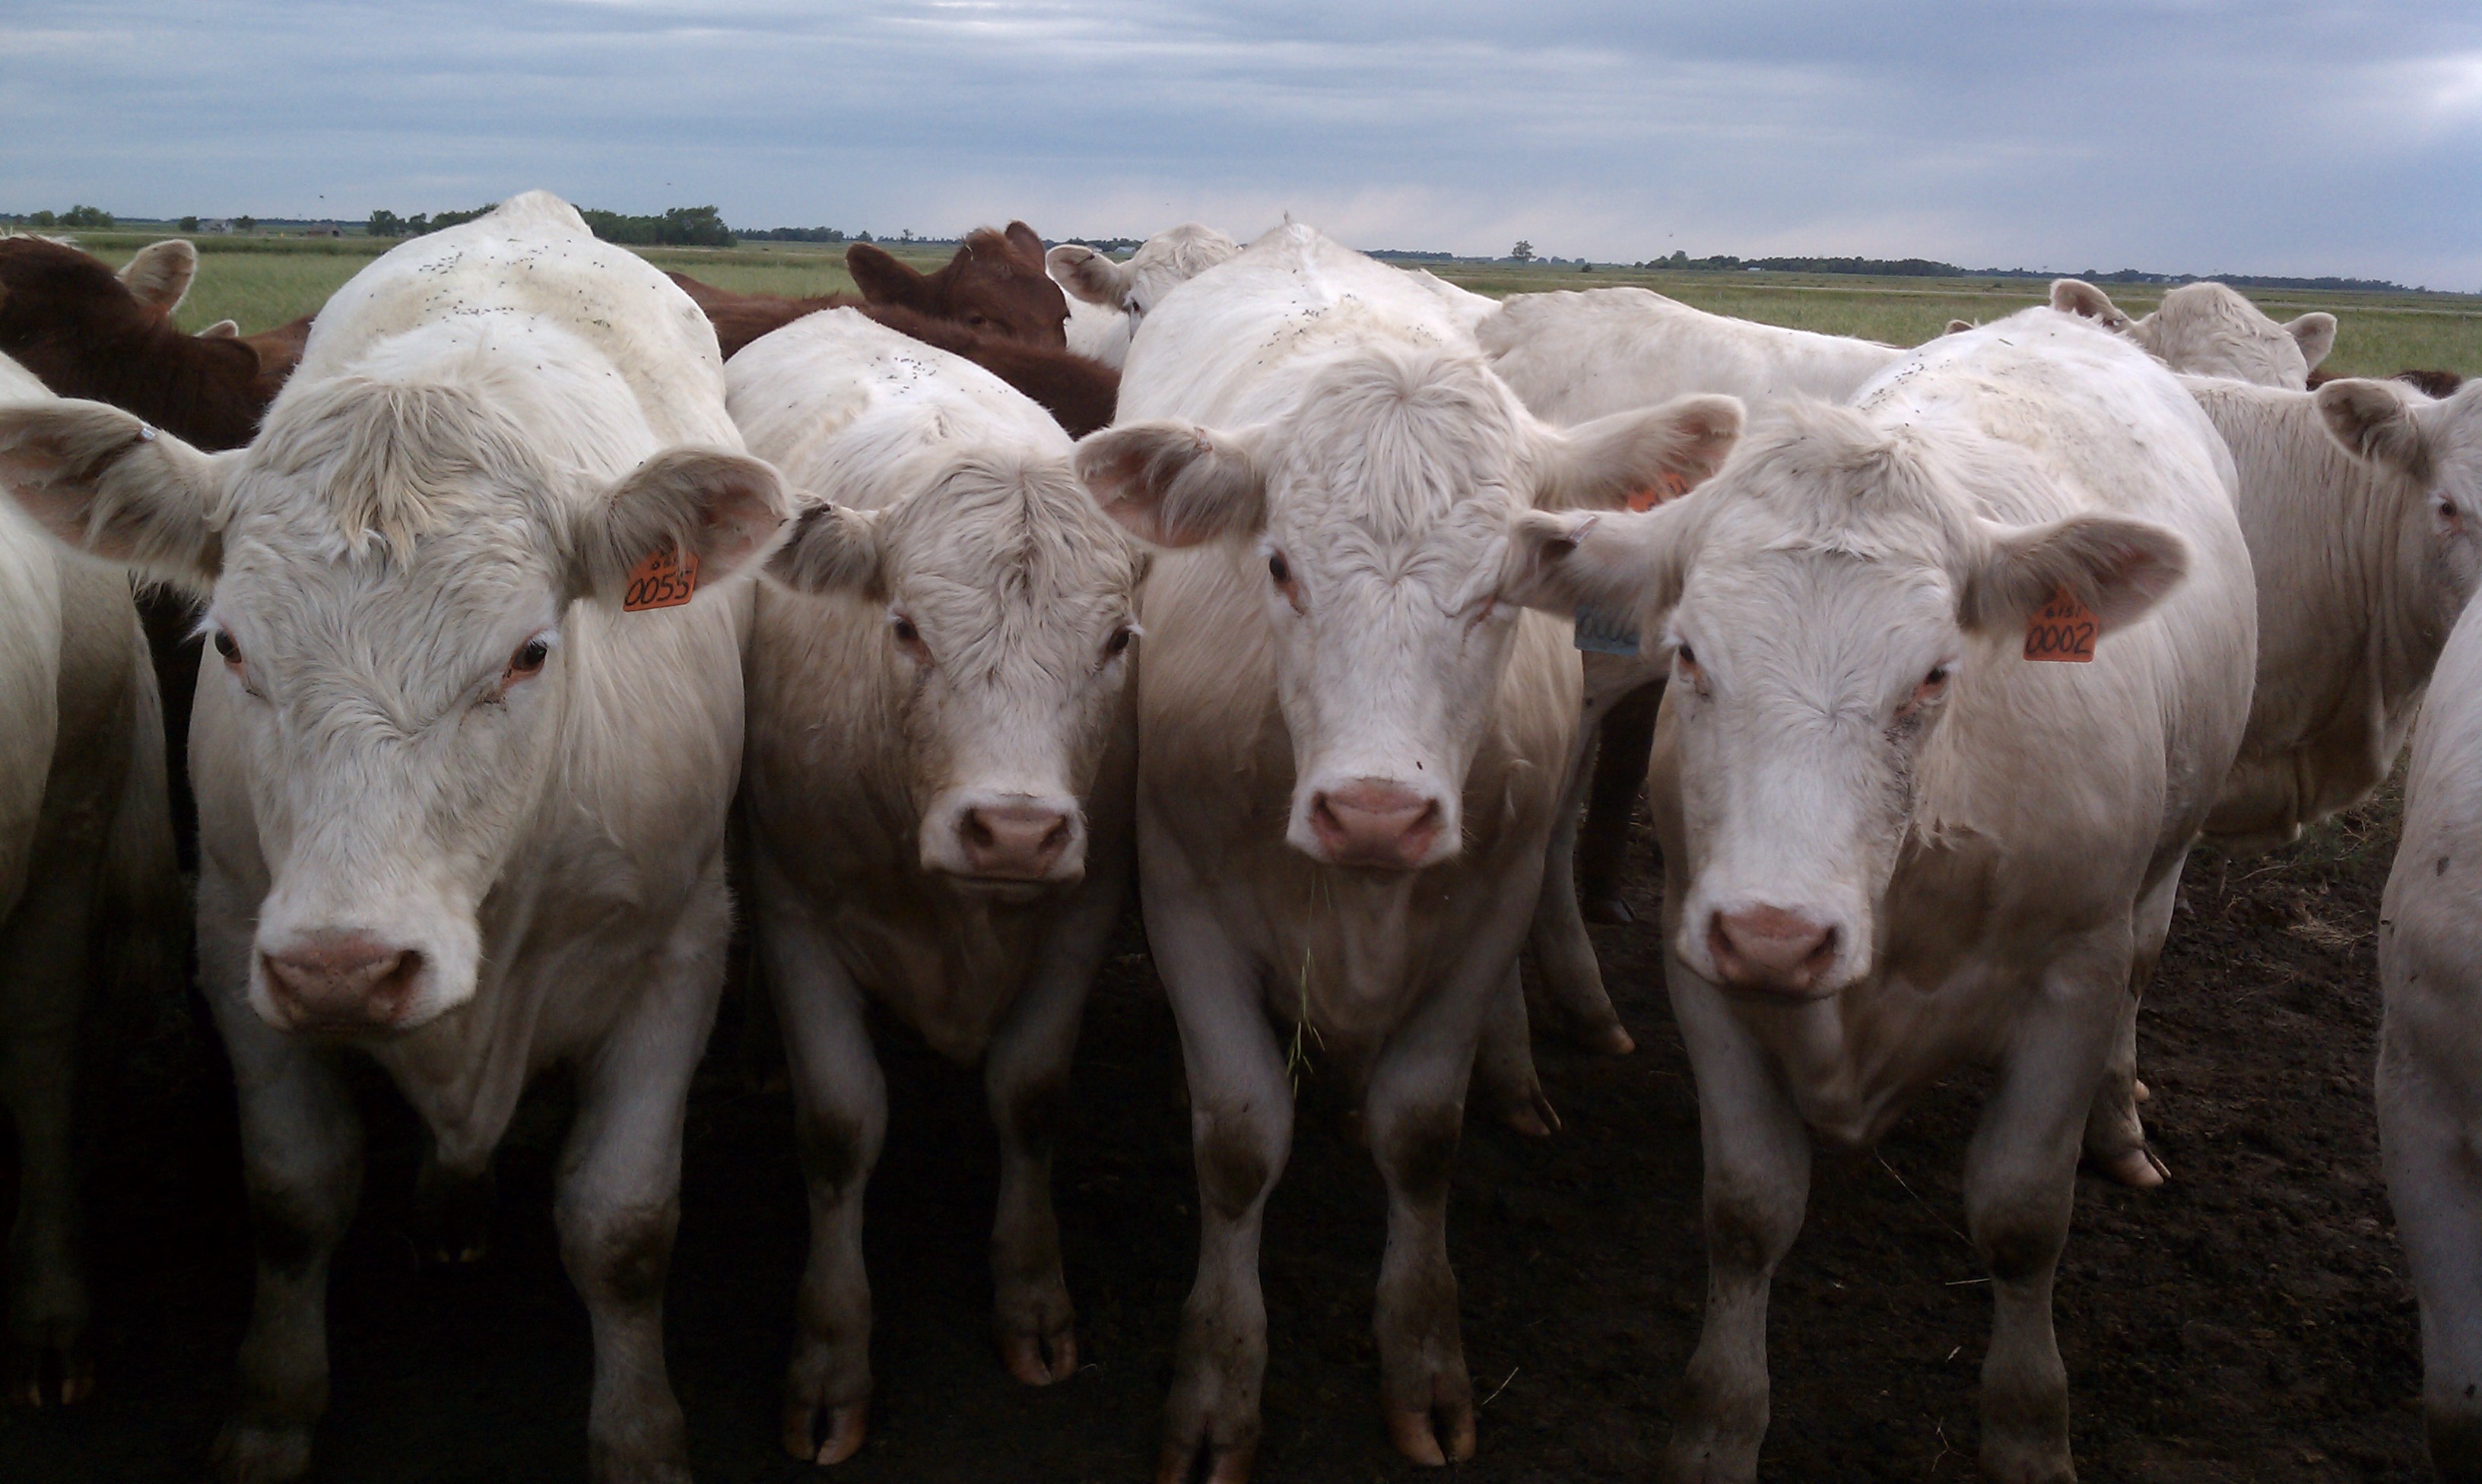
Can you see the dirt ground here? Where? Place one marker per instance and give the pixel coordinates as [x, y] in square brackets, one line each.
[2249, 1322]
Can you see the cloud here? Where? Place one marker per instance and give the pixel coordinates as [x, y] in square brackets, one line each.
[2274, 137]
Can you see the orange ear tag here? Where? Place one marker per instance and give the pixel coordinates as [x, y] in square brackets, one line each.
[2065, 630]
[1668, 485]
[664, 580]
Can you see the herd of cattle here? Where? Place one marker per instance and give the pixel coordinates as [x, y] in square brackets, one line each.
[1960, 649]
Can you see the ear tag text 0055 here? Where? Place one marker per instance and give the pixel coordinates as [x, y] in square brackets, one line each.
[2063, 629]
[664, 580]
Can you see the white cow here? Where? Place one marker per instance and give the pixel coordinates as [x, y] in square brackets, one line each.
[1107, 299]
[458, 810]
[2209, 329]
[2430, 1044]
[1349, 753]
[1575, 355]
[88, 892]
[2361, 503]
[936, 797]
[1893, 844]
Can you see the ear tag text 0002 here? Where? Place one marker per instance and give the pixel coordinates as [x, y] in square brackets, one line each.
[2063, 629]
[664, 580]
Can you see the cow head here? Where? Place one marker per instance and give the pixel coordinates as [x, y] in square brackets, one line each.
[2434, 449]
[394, 569]
[2207, 329]
[1823, 597]
[1372, 517]
[994, 285]
[1162, 263]
[1008, 608]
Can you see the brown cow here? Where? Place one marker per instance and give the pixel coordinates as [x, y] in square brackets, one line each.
[994, 285]
[1078, 391]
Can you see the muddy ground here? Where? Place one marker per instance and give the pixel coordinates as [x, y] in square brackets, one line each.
[2250, 1322]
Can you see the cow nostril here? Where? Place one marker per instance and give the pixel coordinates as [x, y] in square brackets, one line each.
[977, 830]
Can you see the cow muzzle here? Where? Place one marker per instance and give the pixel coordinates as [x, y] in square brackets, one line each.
[1008, 840]
[1770, 951]
[1379, 824]
[341, 982]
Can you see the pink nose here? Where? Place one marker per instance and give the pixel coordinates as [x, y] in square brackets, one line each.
[341, 980]
[1014, 842]
[1371, 821]
[1767, 948]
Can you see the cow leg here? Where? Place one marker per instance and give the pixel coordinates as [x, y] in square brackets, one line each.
[45, 963]
[2020, 1190]
[1241, 1132]
[1564, 956]
[1619, 775]
[452, 1211]
[1504, 1063]
[1416, 1106]
[2115, 1139]
[301, 1158]
[2427, 1139]
[616, 1200]
[1026, 1078]
[839, 1121]
[1756, 1153]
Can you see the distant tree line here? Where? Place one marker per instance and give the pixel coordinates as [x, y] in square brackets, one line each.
[89, 217]
[681, 226]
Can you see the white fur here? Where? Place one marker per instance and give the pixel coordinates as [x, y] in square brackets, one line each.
[483, 435]
[1107, 299]
[2430, 1044]
[956, 512]
[1852, 737]
[2210, 330]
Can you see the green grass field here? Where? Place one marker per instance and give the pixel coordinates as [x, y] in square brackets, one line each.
[264, 281]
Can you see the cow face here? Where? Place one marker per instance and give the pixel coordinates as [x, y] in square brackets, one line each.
[2434, 448]
[395, 577]
[1824, 597]
[1372, 519]
[2207, 329]
[995, 285]
[1008, 606]
[1162, 263]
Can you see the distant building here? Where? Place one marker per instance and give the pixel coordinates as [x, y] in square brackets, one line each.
[322, 229]
[217, 224]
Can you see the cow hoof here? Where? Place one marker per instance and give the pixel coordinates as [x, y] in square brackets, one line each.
[52, 1369]
[1206, 1464]
[260, 1453]
[2137, 1168]
[826, 1435]
[1023, 1352]
[2139, 1091]
[1611, 1038]
[1535, 1119]
[1413, 1436]
[1605, 910]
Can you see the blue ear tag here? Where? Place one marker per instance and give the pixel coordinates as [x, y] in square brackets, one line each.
[1603, 635]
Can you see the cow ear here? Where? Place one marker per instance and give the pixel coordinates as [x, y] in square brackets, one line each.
[881, 279]
[1029, 246]
[2075, 295]
[1175, 484]
[1625, 566]
[106, 483]
[1637, 460]
[222, 329]
[833, 548]
[2315, 334]
[2374, 421]
[2118, 569]
[726, 509]
[160, 274]
[1957, 326]
[1089, 274]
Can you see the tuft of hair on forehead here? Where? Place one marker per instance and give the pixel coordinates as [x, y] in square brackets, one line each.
[1833, 482]
[395, 460]
[1394, 434]
[1020, 519]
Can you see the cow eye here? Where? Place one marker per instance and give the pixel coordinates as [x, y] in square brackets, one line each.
[1119, 642]
[1936, 678]
[1687, 657]
[227, 647]
[528, 662]
[1279, 569]
[909, 638]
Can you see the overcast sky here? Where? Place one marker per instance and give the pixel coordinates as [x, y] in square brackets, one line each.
[2172, 134]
